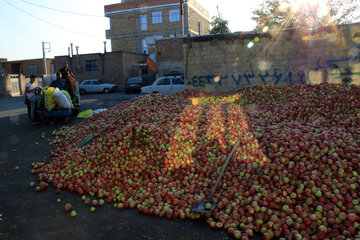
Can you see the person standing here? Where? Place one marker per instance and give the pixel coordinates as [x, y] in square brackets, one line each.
[33, 98]
[68, 75]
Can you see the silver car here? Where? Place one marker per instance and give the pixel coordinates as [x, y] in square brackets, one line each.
[165, 85]
[94, 86]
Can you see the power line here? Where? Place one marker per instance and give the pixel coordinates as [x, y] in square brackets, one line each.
[63, 11]
[8, 19]
[81, 14]
[40, 19]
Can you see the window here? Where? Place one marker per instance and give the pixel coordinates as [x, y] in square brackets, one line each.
[95, 82]
[164, 81]
[91, 65]
[174, 15]
[87, 83]
[33, 69]
[178, 81]
[156, 17]
[143, 24]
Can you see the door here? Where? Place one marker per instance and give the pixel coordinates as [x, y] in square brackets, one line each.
[96, 86]
[163, 86]
[86, 85]
[177, 85]
[15, 86]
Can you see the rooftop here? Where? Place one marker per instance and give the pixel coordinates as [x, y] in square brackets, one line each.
[129, 5]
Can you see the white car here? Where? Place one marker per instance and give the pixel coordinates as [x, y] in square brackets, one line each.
[165, 85]
[93, 85]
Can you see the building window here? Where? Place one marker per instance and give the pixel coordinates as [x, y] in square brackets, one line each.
[156, 17]
[143, 24]
[145, 48]
[91, 65]
[174, 15]
[33, 69]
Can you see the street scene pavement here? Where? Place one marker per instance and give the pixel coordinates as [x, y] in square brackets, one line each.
[28, 214]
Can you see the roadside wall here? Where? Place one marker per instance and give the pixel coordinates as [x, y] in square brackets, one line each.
[228, 62]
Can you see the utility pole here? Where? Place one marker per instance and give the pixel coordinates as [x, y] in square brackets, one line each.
[72, 55]
[77, 56]
[182, 16]
[45, 49]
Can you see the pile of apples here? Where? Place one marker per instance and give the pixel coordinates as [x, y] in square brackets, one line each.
[295, 173]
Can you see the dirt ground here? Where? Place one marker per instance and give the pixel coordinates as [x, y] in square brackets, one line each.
[31, 215]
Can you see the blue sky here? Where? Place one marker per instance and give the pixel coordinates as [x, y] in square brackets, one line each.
[24, 26]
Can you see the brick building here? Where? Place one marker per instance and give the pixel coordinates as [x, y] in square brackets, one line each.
[28, 67]
[15, 74]
[136, 24]
[110, 67]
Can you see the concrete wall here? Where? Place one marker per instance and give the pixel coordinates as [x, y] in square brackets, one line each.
[228, 62]
[169, 56]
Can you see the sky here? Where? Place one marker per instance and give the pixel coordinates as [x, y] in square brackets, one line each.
[25, 24]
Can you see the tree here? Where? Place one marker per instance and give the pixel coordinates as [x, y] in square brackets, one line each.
[280, 14]
[219, 24]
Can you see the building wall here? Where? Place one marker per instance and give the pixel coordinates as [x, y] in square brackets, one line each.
[196, 18]
[113, 67]
[22, 66]
[228, 62]
[169, 56]
[126, 33]
[2, 70]
[123, 24]
[125, 44]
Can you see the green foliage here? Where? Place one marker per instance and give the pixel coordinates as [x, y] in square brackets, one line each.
[281, 14]
[219, 24]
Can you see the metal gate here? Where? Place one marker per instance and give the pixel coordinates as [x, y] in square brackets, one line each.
[15, 85]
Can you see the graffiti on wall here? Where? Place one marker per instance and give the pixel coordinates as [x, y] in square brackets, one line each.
[275, 76]
[268, 77]
[343, 73]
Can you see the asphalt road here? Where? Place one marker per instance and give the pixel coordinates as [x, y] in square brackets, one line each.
[31, 215]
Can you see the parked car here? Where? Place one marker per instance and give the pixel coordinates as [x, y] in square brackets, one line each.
[93, 86]
[165, 85]
[133, 84]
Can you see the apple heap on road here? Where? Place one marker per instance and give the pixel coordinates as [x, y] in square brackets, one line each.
[295, 173]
